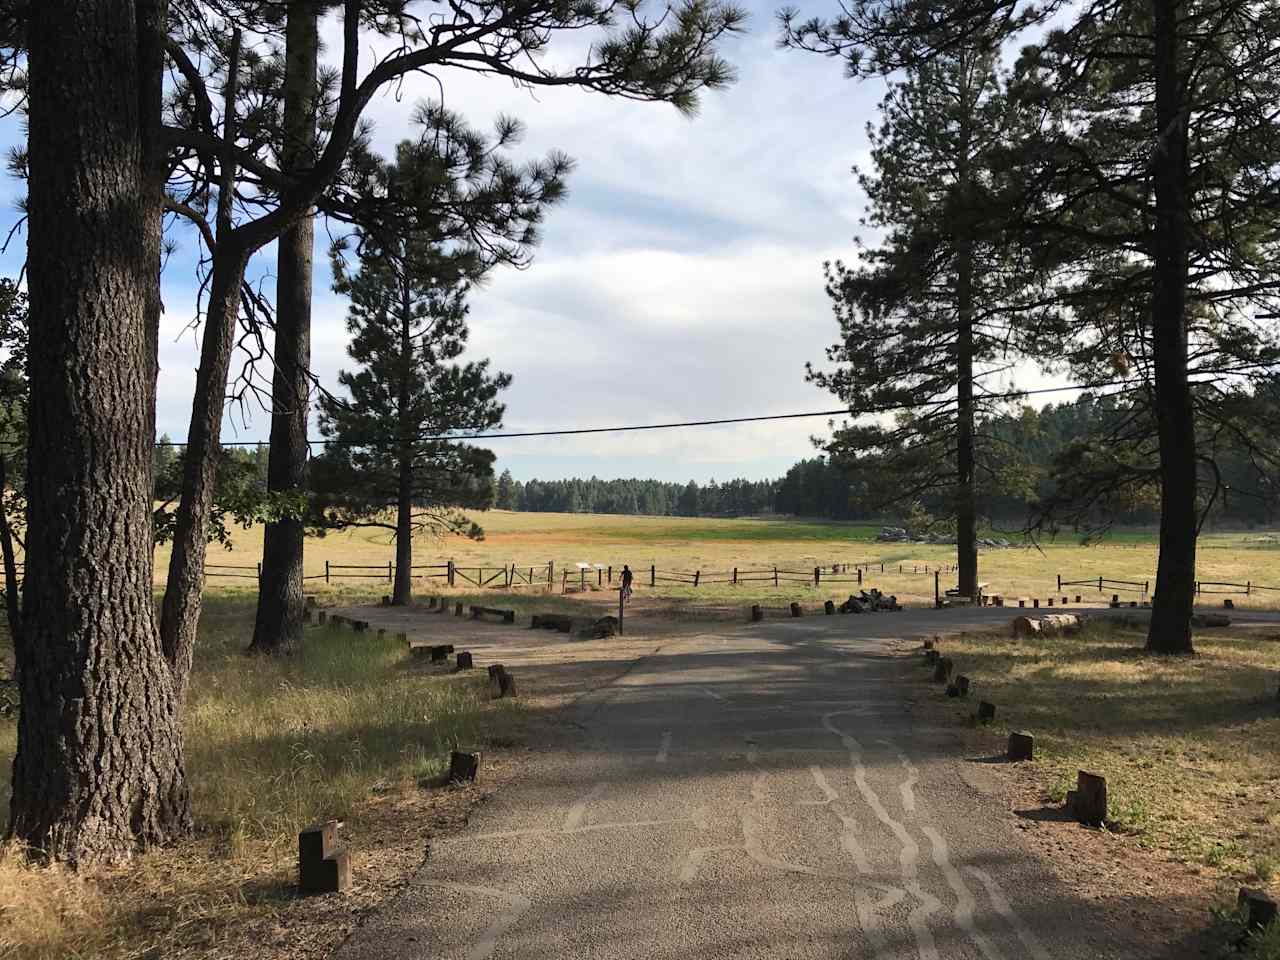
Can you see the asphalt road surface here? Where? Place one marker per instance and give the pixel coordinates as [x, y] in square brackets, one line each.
[753, 791]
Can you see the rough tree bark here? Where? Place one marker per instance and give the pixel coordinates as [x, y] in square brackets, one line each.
[402, 592]
[966, 502]
[99, 765]
[1170, 629]
[278, 627]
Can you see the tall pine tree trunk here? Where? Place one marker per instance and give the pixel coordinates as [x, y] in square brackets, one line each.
[966, 502]
[278, 627]
[403, 590]
[1170, 629]
[185, 584]
[99, 766]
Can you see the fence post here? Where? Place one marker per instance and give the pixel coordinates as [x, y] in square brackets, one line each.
[326, 571]
[390, 577]
[882, 566]
[1099, 584]
[859, 576]
[551, 572]
[450, 568]
[259, 571]
[697, 576]
[582, 579]
[611, 574]
[735, 576]
[817, 576]
[937, 589]
[1146, 588]
[653, 575]
[775, 576]
[1059, 583]
[1248, 587]
[599, 576]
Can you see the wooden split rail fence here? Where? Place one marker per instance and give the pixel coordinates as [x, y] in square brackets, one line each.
[1143, 587]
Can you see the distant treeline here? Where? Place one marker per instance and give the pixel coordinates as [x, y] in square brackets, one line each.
[817, 487]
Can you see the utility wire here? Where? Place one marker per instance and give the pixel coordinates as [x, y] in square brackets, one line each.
[579, 431]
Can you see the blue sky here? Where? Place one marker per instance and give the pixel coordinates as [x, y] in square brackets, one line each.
[681, 279]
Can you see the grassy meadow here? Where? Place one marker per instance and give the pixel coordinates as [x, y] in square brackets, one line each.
[341, 730]
[1190, 746]
[719, 545]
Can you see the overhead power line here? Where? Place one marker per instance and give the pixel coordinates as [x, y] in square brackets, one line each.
[725, 421]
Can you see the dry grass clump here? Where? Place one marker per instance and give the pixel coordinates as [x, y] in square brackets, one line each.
[1190, 746]
[339, 730]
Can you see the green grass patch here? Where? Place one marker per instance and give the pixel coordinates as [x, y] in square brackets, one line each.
[1190, 746]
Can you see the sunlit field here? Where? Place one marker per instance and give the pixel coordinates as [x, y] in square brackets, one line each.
[716, 546]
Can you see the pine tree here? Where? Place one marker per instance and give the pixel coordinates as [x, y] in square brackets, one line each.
[506, 493]
[408, 324]
[927, 317]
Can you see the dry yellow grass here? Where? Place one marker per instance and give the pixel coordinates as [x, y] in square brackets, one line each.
[718, 545]
[1190, 746]
[338, 731]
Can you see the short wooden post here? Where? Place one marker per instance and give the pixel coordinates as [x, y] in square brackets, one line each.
[653, 575]
[465, 661]
[829, 608]
[757, 614]
[859, 576]
[599, 576]
[464, 766]
[449, 572]
[506, 685]
[817, 576]
[1090, 802]
[457, 609]
[390, 573]
[1022, 746]
[942, 670]
[735, 576]
[795, 609]
[1036, 604]
[962, 686]
[1257, 909]
[611, 574]
[986, 711]
[322, 866]
[321, 617]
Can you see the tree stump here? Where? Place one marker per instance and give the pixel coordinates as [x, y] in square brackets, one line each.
[962, 686]
[1257, 909]
[1022, 746]
[795, 610]
[986, 711]
[829, 608]
[322, 867]
[757, 614]
[942, 670]
[1091, 799]
[465, 661]
[506, 685]
[463, 766]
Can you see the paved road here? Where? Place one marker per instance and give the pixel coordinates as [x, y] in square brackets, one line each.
[750, 792]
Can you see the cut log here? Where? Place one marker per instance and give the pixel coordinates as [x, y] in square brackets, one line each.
[1051, 625]
[465, 661]
[757, 614]
[1022, 746]
[795, 610]
[1228, 604]
[506, 616]
[464, 766]
[1210, 620]
[1091, 799]
[506, 685]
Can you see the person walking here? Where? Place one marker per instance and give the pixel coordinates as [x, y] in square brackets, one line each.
[627, 577]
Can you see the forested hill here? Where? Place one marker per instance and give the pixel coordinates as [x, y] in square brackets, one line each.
[818, 488]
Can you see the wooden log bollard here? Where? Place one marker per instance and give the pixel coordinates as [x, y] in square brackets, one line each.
[311, 600]
[829, 608]
[1022, 602]
[465, 661]
[986, 711]
[431, 602]
[942, 670]
[321, 617]
[457, 609]
[464, 766]
[322, 866]
[1079, 599]
[928, 644]
[306, 614]
[506, 685]
[1022, 746]
[439, 654]
[1090, 803]
[932, 655]
[1228, 604]
[386, 600]
[962, 686]
[795, 610]
[1257, 909]
[757, 614]
[496, 672]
